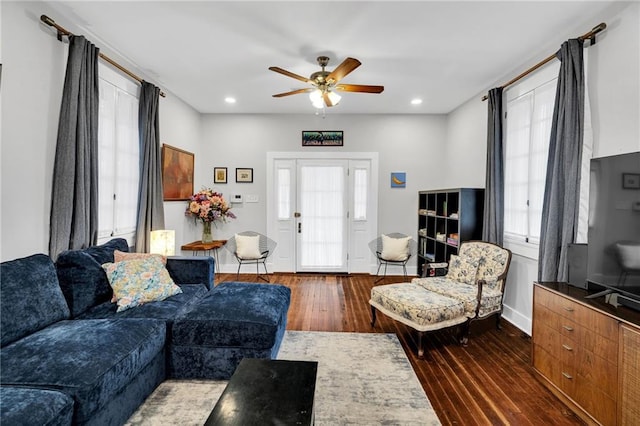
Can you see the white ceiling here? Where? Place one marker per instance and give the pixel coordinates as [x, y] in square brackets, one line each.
[444, 52]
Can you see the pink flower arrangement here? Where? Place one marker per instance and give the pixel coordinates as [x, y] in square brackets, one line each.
[209, 206]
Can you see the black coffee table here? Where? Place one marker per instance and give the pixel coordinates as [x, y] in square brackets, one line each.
[267, 392]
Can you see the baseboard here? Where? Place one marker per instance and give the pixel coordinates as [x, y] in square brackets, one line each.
[517, 319]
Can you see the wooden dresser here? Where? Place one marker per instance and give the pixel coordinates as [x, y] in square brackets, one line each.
[587, 352]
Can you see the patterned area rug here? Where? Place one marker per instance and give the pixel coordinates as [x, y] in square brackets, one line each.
[363, 379]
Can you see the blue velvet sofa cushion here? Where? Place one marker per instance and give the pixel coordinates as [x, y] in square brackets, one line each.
[166, 310]
[91, 360]
[30, 297]
[35, 407]
[192, 270]
[82, 279]
[234, 314]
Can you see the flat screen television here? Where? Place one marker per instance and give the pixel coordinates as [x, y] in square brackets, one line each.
[613, 249]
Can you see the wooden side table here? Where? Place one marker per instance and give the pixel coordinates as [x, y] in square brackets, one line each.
[206, 249]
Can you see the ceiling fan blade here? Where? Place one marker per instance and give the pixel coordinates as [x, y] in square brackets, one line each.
[290, 74]
[342, 70]
[327, 100]
[359, 88]
[294, 92]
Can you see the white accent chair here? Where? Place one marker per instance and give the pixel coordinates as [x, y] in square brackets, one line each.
[251, 248]
[393, 249]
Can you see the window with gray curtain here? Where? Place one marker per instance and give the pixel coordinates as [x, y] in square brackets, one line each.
[74, 195]
[150, 194]
[119, 154]
[561, 196]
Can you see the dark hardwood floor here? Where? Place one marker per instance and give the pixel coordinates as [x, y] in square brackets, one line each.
[488, 382]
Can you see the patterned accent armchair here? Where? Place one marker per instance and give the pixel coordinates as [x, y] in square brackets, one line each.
[473, 289]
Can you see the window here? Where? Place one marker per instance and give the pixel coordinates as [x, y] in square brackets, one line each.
[529, 114]
[360, 189]
[284, 194]
[119, 159]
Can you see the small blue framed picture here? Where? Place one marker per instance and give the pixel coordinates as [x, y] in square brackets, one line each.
[398, 179]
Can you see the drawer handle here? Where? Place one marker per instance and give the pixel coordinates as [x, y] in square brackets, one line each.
[567, 327]
[568, 376]
[568, 308]
[567, 347]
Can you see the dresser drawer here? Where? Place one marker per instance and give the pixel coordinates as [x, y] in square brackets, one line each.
[583, 336]
[546, 337]
[546, 364]
[587, 318]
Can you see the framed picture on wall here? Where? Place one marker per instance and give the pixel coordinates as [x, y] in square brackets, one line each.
[244, 175]
[177, 173]
[322, 138]
[219, 175]
[631, 181]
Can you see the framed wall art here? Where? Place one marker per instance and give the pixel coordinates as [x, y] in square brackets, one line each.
[177, 173]
[322, 138]
[244, 175]
[631, 181]
[219, 175]
[398, 179]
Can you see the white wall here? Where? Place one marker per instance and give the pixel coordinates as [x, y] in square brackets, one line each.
[180, 126]
[410, 143]
[32, 79]
[613, 67]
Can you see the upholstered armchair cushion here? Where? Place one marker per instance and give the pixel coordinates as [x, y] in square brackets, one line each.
[493, 265]
[411, 304]
[29, 296]
[490, 301]
[463, 269]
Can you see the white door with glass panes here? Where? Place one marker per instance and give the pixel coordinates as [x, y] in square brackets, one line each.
[320, 212]
[321, 216]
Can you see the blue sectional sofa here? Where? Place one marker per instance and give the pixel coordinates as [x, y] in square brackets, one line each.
[64, 346]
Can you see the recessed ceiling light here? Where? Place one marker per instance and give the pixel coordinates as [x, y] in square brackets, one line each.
[416, 101]
[230, 100]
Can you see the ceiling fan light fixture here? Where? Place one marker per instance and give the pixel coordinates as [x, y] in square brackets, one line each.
[334, 97]
[316, 98]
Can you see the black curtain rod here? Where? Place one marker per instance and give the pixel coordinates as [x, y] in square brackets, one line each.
[64, 32]
[591, 35]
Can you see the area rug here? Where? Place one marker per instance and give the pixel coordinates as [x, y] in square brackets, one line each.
[363, 379]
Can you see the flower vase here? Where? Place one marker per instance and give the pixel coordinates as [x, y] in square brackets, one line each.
[207, 237]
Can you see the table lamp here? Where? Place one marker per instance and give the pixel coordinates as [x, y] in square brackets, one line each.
[163, 241]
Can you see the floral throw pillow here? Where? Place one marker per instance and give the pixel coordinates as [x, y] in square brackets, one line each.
[463, 269]
[138, 281]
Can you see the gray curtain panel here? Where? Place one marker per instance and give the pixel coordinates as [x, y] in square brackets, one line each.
[561, 195]
[150, 194]
[493, 220]
[74, 195]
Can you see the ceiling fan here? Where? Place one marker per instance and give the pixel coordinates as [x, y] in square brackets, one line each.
[325, 84]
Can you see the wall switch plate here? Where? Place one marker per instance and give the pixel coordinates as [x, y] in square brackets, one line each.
[252, 198]
[237, 198]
